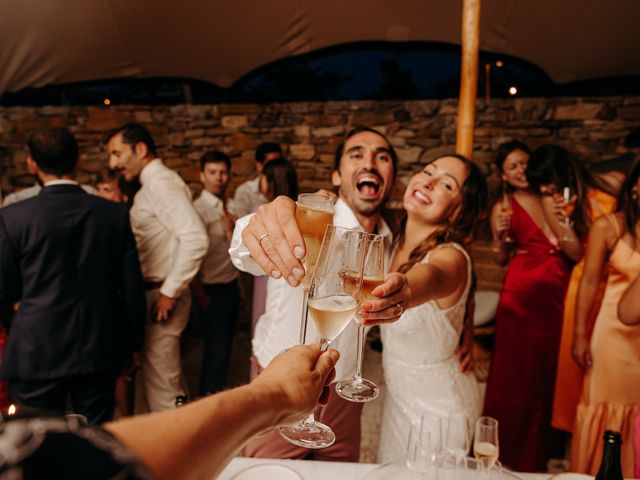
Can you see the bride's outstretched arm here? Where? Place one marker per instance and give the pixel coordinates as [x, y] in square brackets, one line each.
[444, 277]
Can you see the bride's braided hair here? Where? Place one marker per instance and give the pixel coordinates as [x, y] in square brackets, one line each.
[460, 228]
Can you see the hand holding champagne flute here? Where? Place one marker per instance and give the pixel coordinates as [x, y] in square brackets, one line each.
[506, 210]
[333, 296]
[567, 210]
[313, 214]
[356, 388]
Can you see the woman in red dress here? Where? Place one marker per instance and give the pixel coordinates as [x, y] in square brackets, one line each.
[529, 316]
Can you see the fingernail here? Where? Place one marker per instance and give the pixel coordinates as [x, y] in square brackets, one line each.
[275, 274]
[298, 273]
[293, 281]
[298, 252]
[335, 355]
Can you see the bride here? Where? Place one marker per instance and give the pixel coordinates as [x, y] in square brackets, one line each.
[422, 374]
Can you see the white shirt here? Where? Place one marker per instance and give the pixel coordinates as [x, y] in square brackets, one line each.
[216, 266]
[169, 233]
[279, 327]
[247, 198]
[34, 190]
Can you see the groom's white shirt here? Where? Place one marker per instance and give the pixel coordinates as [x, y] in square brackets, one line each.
[279, 327]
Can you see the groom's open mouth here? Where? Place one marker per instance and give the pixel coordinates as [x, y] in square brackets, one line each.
[369, 186]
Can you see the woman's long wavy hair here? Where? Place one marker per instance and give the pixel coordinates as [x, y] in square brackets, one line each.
[629, 200]
[460, 229]
[556, 165]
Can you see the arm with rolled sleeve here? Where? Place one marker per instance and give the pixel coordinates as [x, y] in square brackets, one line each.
[173, 207]
[240, 256]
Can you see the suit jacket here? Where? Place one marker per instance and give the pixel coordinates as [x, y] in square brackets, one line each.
[71, 260]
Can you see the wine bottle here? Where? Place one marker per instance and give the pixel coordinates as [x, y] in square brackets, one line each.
[610, 468]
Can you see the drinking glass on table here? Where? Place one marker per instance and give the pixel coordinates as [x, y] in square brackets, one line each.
[333, 297]
[314, 213]
[356, 388]
[485, 442]
[567, 209]
[457, 437]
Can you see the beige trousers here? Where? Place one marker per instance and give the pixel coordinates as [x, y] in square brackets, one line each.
[161, 365]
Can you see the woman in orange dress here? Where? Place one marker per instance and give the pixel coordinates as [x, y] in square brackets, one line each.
[569, 375]
[610, 397]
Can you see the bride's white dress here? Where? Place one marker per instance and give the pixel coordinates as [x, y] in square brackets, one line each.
[421, 371]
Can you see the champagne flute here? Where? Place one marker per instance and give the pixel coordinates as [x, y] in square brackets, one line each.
[314, 213]
[506, 209]
[457, 437]
[356, 388]
[567, 208]
[334, 294]
[485, 443]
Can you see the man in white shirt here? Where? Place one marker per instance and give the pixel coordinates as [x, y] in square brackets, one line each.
[364, 171]
[215, 288]
[171, 244]
[247, 197]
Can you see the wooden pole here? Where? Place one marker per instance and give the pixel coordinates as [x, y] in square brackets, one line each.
[468, 76]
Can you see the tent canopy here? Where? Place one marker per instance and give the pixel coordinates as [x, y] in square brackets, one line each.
[45, 42]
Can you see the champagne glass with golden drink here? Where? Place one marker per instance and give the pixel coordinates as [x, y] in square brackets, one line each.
[314, 213]
[485, 443]
[567, 210]
[506, 209]
[333, 297]
[356, 388]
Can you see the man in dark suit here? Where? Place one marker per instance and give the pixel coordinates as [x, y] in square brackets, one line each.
[70, 259]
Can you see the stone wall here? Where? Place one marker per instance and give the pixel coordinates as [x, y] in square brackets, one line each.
[593, 128]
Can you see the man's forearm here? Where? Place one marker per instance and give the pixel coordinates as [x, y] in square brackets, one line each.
[198, 440]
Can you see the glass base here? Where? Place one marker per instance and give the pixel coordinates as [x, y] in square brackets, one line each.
[357, 390]
[308, 435]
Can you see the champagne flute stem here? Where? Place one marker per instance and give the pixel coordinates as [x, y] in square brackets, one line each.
[360, 351]
[324, 345]
[305, 317]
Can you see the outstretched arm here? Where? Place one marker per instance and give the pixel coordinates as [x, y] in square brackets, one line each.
[197, 440]
[441, 278]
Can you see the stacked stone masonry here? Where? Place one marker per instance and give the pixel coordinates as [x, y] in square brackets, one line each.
[593, 128]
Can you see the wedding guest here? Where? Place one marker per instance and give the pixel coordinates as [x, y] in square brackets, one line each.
[70, 259]
[529, 315]
[171, 243]
[247, 197]
[600, 199]
[611, 358]
[108, 187]
[215, 288]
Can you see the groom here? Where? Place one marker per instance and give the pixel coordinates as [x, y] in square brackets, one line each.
[269, 241]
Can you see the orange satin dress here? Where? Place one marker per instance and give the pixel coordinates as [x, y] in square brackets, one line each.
[569, 375]
[611, 393]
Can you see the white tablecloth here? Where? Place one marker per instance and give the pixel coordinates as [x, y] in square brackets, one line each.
[312, 470]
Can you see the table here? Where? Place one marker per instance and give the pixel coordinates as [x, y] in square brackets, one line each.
[314, 470]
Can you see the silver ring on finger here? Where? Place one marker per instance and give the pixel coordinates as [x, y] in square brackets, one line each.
[399, 305]
[262, 237]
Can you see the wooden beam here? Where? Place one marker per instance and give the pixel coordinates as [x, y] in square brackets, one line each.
[468, 76]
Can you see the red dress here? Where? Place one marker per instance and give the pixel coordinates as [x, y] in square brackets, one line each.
[523, 368]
